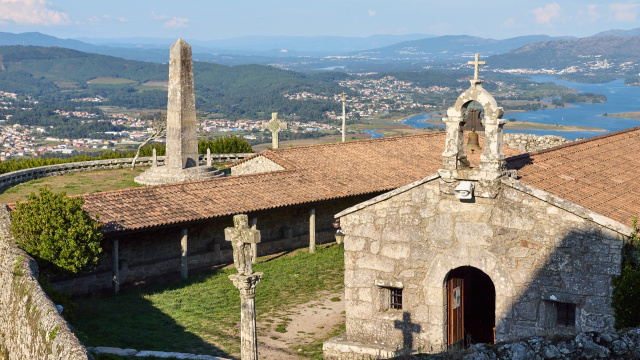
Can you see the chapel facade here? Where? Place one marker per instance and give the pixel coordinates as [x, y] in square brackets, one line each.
[508, 249]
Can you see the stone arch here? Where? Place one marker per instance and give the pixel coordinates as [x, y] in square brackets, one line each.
[455, 257]
[482, 96]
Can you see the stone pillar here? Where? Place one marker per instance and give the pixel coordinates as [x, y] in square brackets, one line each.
[116, 266]
[453, 155]
[154, 160]
[185, 262]
[289, 239]
[209, 157]
[248, 335]
[312, 231]
[218, 255]
[254, 246]
[492, 161]
[182, 143]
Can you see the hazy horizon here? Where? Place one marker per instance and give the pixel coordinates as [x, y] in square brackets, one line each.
[213, 20]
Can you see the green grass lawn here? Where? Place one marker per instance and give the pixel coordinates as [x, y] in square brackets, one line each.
[110, 81]
[202, 315]
[75, 183]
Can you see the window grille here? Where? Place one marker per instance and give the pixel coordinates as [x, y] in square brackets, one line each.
[566, 314]
[396, 299]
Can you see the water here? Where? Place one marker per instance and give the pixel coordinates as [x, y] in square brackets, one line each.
[374, 134]
[621, 98]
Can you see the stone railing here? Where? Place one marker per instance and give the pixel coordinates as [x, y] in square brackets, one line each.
[31, 326]
[20, 176]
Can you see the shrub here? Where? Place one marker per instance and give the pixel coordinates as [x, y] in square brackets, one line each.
[626, 287]
[225, 145]
[55, 230]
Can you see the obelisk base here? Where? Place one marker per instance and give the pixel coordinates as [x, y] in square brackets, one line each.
[248, 335]
[160, 175]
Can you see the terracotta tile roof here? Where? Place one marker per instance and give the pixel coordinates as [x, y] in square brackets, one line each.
[312, 173]
[601, 173]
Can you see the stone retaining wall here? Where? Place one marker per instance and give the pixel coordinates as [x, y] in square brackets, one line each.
[31, 327]
[530, 142]
[17, 177]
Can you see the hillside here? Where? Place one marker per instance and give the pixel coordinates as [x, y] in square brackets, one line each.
[57, 74]
[598, 55]
[452, 47]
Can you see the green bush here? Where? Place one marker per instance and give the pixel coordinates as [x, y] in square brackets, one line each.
[626, 287]
[55, 230]
[225, 145]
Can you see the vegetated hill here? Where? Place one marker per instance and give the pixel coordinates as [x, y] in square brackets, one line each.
[610, 54]
[452, 47]
[616, 32]
[57, 74]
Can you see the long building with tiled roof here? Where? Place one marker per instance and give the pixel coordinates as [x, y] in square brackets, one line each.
[308, 174]
[601, 173]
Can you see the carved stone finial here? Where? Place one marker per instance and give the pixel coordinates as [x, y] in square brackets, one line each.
[477, 64]
[241, 237]
[275, 126]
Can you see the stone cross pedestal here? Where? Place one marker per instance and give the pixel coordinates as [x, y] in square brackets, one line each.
[275, 126]
[248, 335]
[241, 237]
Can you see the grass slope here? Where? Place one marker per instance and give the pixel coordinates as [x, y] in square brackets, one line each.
[202, 315]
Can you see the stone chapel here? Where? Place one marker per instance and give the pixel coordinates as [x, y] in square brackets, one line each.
[490, 251]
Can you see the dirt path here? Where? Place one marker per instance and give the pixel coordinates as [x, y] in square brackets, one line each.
[302, 326]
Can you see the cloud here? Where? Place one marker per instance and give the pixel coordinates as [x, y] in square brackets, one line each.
[176, 23]
[105, 18]
[509, 23]
[31, 12]
[624, 12]
[158, 16]
[589, 15]
[544, 15]
[372, 13]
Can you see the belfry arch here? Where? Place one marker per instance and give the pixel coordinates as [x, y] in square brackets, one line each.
[492, 161]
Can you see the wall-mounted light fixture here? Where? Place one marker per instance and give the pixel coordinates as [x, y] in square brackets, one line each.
[464, 191]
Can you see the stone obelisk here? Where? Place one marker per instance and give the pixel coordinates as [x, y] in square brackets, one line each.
[241, 237]
[181, 161]
[182, 142]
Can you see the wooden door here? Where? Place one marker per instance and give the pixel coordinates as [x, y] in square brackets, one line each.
[455, 311]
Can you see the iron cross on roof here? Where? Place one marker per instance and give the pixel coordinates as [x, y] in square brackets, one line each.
[477, 64]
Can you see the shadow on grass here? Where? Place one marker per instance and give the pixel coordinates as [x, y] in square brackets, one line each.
[160, 317]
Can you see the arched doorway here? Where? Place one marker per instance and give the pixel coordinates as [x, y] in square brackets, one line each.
[471, 303]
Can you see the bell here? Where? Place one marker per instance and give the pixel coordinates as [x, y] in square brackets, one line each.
[472, 142]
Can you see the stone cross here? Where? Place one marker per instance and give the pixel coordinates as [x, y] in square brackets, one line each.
[241, 237]
[182, 143]
[477, 64]
[275, 126]
[344, 117]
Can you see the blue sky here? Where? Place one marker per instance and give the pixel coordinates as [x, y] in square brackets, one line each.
[220, 19]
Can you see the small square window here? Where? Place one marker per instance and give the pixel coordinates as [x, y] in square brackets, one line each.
[566, 314]
[396, 299]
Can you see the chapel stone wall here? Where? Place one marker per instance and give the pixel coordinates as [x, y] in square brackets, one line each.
[258, 164]
[536, 254]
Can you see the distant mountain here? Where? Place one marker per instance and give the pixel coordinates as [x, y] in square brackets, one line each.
[591, 54]
[452, 47]
[632, 32]
[256, 45]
